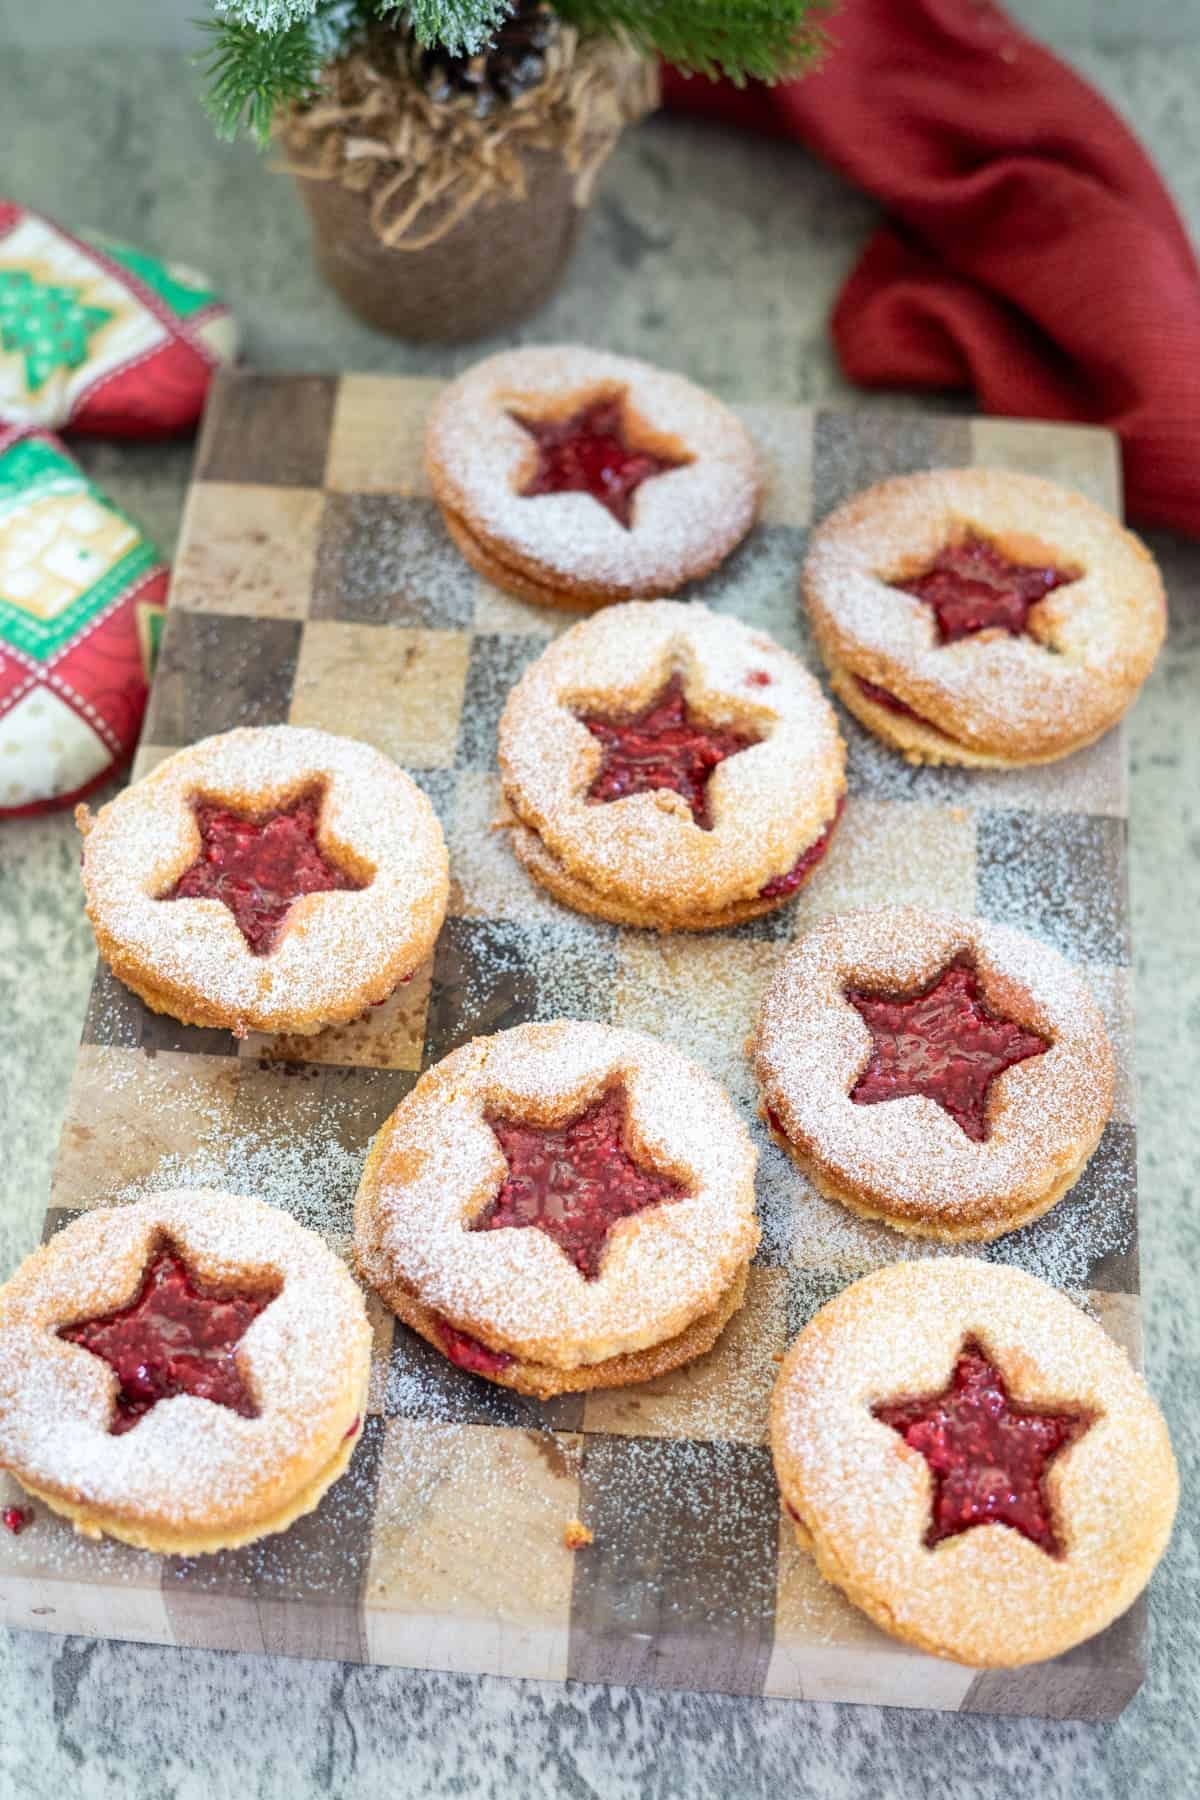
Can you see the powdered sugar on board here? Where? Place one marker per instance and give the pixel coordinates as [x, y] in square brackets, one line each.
[1090, 782]
[700, 994]
[830, 1247]
[311, 1175]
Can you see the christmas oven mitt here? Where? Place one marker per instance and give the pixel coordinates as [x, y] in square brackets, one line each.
[81, 606]
[98, 337]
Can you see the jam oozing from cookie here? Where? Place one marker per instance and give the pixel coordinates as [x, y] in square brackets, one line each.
[574, 1181]
[16, 1518]
[178, 1336]
[971, 586]
[805, 863]
[468, 1353]
[881, 697]
[259, 866]
[590, 453]
[893, 703]
[987, 1455]
[663, 746]
[943, 1042]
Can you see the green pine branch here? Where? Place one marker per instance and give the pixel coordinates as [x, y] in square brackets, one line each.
[744, 39]
[265, 55]
[250, 75]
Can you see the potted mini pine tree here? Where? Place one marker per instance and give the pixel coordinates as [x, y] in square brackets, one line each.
[446, 148]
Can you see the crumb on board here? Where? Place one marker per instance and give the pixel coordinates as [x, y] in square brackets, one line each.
[576, 1535]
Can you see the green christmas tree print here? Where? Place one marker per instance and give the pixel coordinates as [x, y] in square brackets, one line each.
[48, 325]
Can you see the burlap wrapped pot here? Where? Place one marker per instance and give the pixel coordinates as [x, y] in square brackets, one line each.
[435, 224]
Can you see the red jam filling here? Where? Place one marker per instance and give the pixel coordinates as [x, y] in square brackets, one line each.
[16, 1518]
[758, 678]
[805, 863]
[177, 1337]
[988, 1457]
[881, 697]
[574, 1181]
[663, 746]
[970, 587]
[590, 453]
[943, 1042]
[257, 867]
[468, 1353]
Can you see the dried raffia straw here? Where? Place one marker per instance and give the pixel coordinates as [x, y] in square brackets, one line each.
[492, 204]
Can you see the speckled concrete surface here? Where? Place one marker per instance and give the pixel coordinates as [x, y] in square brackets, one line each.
[719, 256]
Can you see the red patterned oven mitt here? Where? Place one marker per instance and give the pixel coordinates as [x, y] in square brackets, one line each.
[81, 606]
[94, 337]
[98, 337]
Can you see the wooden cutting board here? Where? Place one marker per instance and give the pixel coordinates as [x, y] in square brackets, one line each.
[315, 584]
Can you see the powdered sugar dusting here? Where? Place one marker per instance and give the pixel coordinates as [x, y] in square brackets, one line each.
[831, 1246]
[757, 584]
[310, 1174]
[1090, 781]
[683, 521]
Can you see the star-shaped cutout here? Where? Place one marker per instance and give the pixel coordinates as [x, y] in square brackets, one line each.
[574, 1181]
[258, 867]
[177, 1336]
[943, 1042]
[591, 453]
[987, 1455]
[663, 746]
[971, 586]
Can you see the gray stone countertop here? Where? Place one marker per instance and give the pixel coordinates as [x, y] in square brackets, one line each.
[719, 256]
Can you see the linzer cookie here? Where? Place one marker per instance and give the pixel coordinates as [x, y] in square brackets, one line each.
[575, 478]
[982, 617]
[947, 1076]
[275, 879]
[187, 1373]
[664, 765]
[973, 1461]
[561, 1207]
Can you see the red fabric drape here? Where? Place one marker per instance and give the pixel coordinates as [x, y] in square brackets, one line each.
[1032, 250]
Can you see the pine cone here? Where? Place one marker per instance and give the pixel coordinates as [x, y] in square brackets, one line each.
[512, 64]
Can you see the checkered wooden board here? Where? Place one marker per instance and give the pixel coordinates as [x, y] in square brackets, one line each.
[315, 584]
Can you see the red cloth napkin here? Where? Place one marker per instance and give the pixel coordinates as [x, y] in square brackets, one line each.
[1033, 252]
